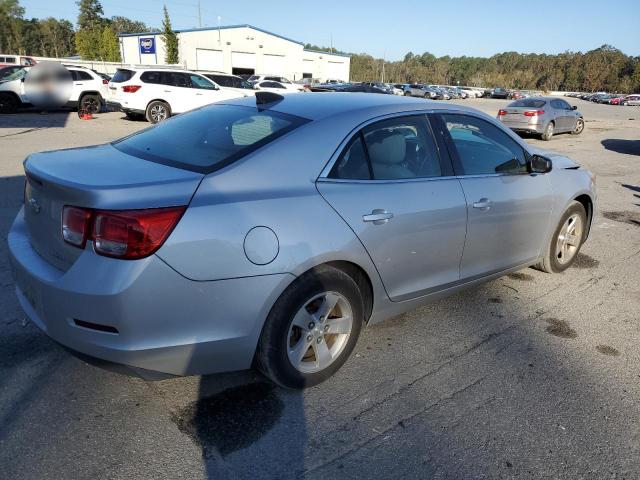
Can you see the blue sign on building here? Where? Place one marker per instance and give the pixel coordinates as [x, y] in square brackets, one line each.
[148, 45]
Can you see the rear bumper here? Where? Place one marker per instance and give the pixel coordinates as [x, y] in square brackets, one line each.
[164, 322]
[524, 127]
[113, 106]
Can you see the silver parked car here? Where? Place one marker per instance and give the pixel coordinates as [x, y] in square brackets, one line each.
[542, 115]
[270, 230]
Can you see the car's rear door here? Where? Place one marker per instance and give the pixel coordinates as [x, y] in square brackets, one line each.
[508, 208]
[401, 200]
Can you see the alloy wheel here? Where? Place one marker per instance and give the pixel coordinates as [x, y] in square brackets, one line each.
[319, 332]
[569, 239]
[579, 126]
[158, 113]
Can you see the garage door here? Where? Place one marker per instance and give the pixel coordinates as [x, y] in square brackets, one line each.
[243, 60]
[336, 70]
[307, 68]
[273, 64]
[209, 59]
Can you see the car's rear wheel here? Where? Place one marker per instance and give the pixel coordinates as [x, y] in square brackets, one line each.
[579, 127]
[312, 328]
[8, 103]
[407, 94]
[566, 240]
[624, 104]
[157, 111]
[548, 132]
[90, 103]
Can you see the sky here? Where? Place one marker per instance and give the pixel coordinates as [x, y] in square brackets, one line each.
[390, 29]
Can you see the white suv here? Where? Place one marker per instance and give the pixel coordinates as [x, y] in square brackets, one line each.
[88, 90]
[156, 94]
[286, 83]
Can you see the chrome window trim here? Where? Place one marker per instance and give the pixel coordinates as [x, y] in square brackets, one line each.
[421, 179]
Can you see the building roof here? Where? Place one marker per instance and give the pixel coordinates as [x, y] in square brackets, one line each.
[229, 27]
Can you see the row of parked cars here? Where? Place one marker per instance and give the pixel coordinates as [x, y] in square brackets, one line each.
[608, 98]
[153, 94]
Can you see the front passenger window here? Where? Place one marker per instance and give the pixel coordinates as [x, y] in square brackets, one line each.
[482, 148]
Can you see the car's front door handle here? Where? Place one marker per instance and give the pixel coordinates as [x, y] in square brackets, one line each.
[483, 204]
[378, 216]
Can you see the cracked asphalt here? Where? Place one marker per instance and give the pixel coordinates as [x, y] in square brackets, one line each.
[528, 376]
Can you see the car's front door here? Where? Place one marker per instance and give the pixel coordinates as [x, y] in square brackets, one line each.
[390, 185]
[509, 209]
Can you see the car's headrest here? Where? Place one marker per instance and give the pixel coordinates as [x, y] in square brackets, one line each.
[388, 150]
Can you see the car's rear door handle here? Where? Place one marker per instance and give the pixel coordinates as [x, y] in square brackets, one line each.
[378, 216]
[483, 204]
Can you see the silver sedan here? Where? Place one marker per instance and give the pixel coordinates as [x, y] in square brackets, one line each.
[271, 230]
[545, 116]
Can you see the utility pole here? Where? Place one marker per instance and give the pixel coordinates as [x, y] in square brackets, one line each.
[219, 39]
[199, 16]
[383, 60]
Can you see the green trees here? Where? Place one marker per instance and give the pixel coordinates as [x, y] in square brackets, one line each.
[170, 40]
[605, 68]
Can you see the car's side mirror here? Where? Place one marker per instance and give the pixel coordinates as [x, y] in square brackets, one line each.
[573, 107]
[539, 164]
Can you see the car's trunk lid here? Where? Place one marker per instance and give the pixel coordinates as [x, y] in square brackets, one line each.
[100, 177]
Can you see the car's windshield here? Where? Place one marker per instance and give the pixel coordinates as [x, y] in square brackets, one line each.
[17, 75]
[208, 138]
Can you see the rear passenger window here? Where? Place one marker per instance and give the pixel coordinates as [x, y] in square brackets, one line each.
[123, 75]
[149, 77]
[176, 79]
[79, 75]
[395, 149]
[482, 148]
[402, 148]
[353, 163]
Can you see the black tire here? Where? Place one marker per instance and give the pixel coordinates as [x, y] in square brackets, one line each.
[548, 132]
[407, 94]
[90, 103]
[579, 127]
[8, 103]
[272, 358]
[550, 262]
[157, 111]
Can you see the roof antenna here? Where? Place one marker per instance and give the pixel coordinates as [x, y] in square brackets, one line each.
[267, 97]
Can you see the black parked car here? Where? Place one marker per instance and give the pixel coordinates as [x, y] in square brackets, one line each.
[348, 87]
[500, 93]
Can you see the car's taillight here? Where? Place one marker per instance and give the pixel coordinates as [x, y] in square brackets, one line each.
[131, 88]
[533, 113]
[75, 225]
[105, 81]
[502, 113]
[126, 234]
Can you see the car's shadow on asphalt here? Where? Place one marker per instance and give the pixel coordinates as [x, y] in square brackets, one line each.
[627, 147]
[33, 119]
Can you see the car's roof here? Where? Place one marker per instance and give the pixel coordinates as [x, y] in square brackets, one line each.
[316, 106]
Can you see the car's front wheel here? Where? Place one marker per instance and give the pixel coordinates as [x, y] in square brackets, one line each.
[8, 103]
[579, 127]
[312, 328]
[566, 240]
[157, 111]
[91, 103]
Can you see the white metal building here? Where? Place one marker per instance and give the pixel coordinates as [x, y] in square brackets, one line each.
[238, 49]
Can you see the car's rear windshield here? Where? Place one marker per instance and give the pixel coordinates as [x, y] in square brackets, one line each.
[122, 75]
[209, 138]
[528, 103]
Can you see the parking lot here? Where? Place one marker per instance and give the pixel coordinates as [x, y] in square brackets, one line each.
[529, 376]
